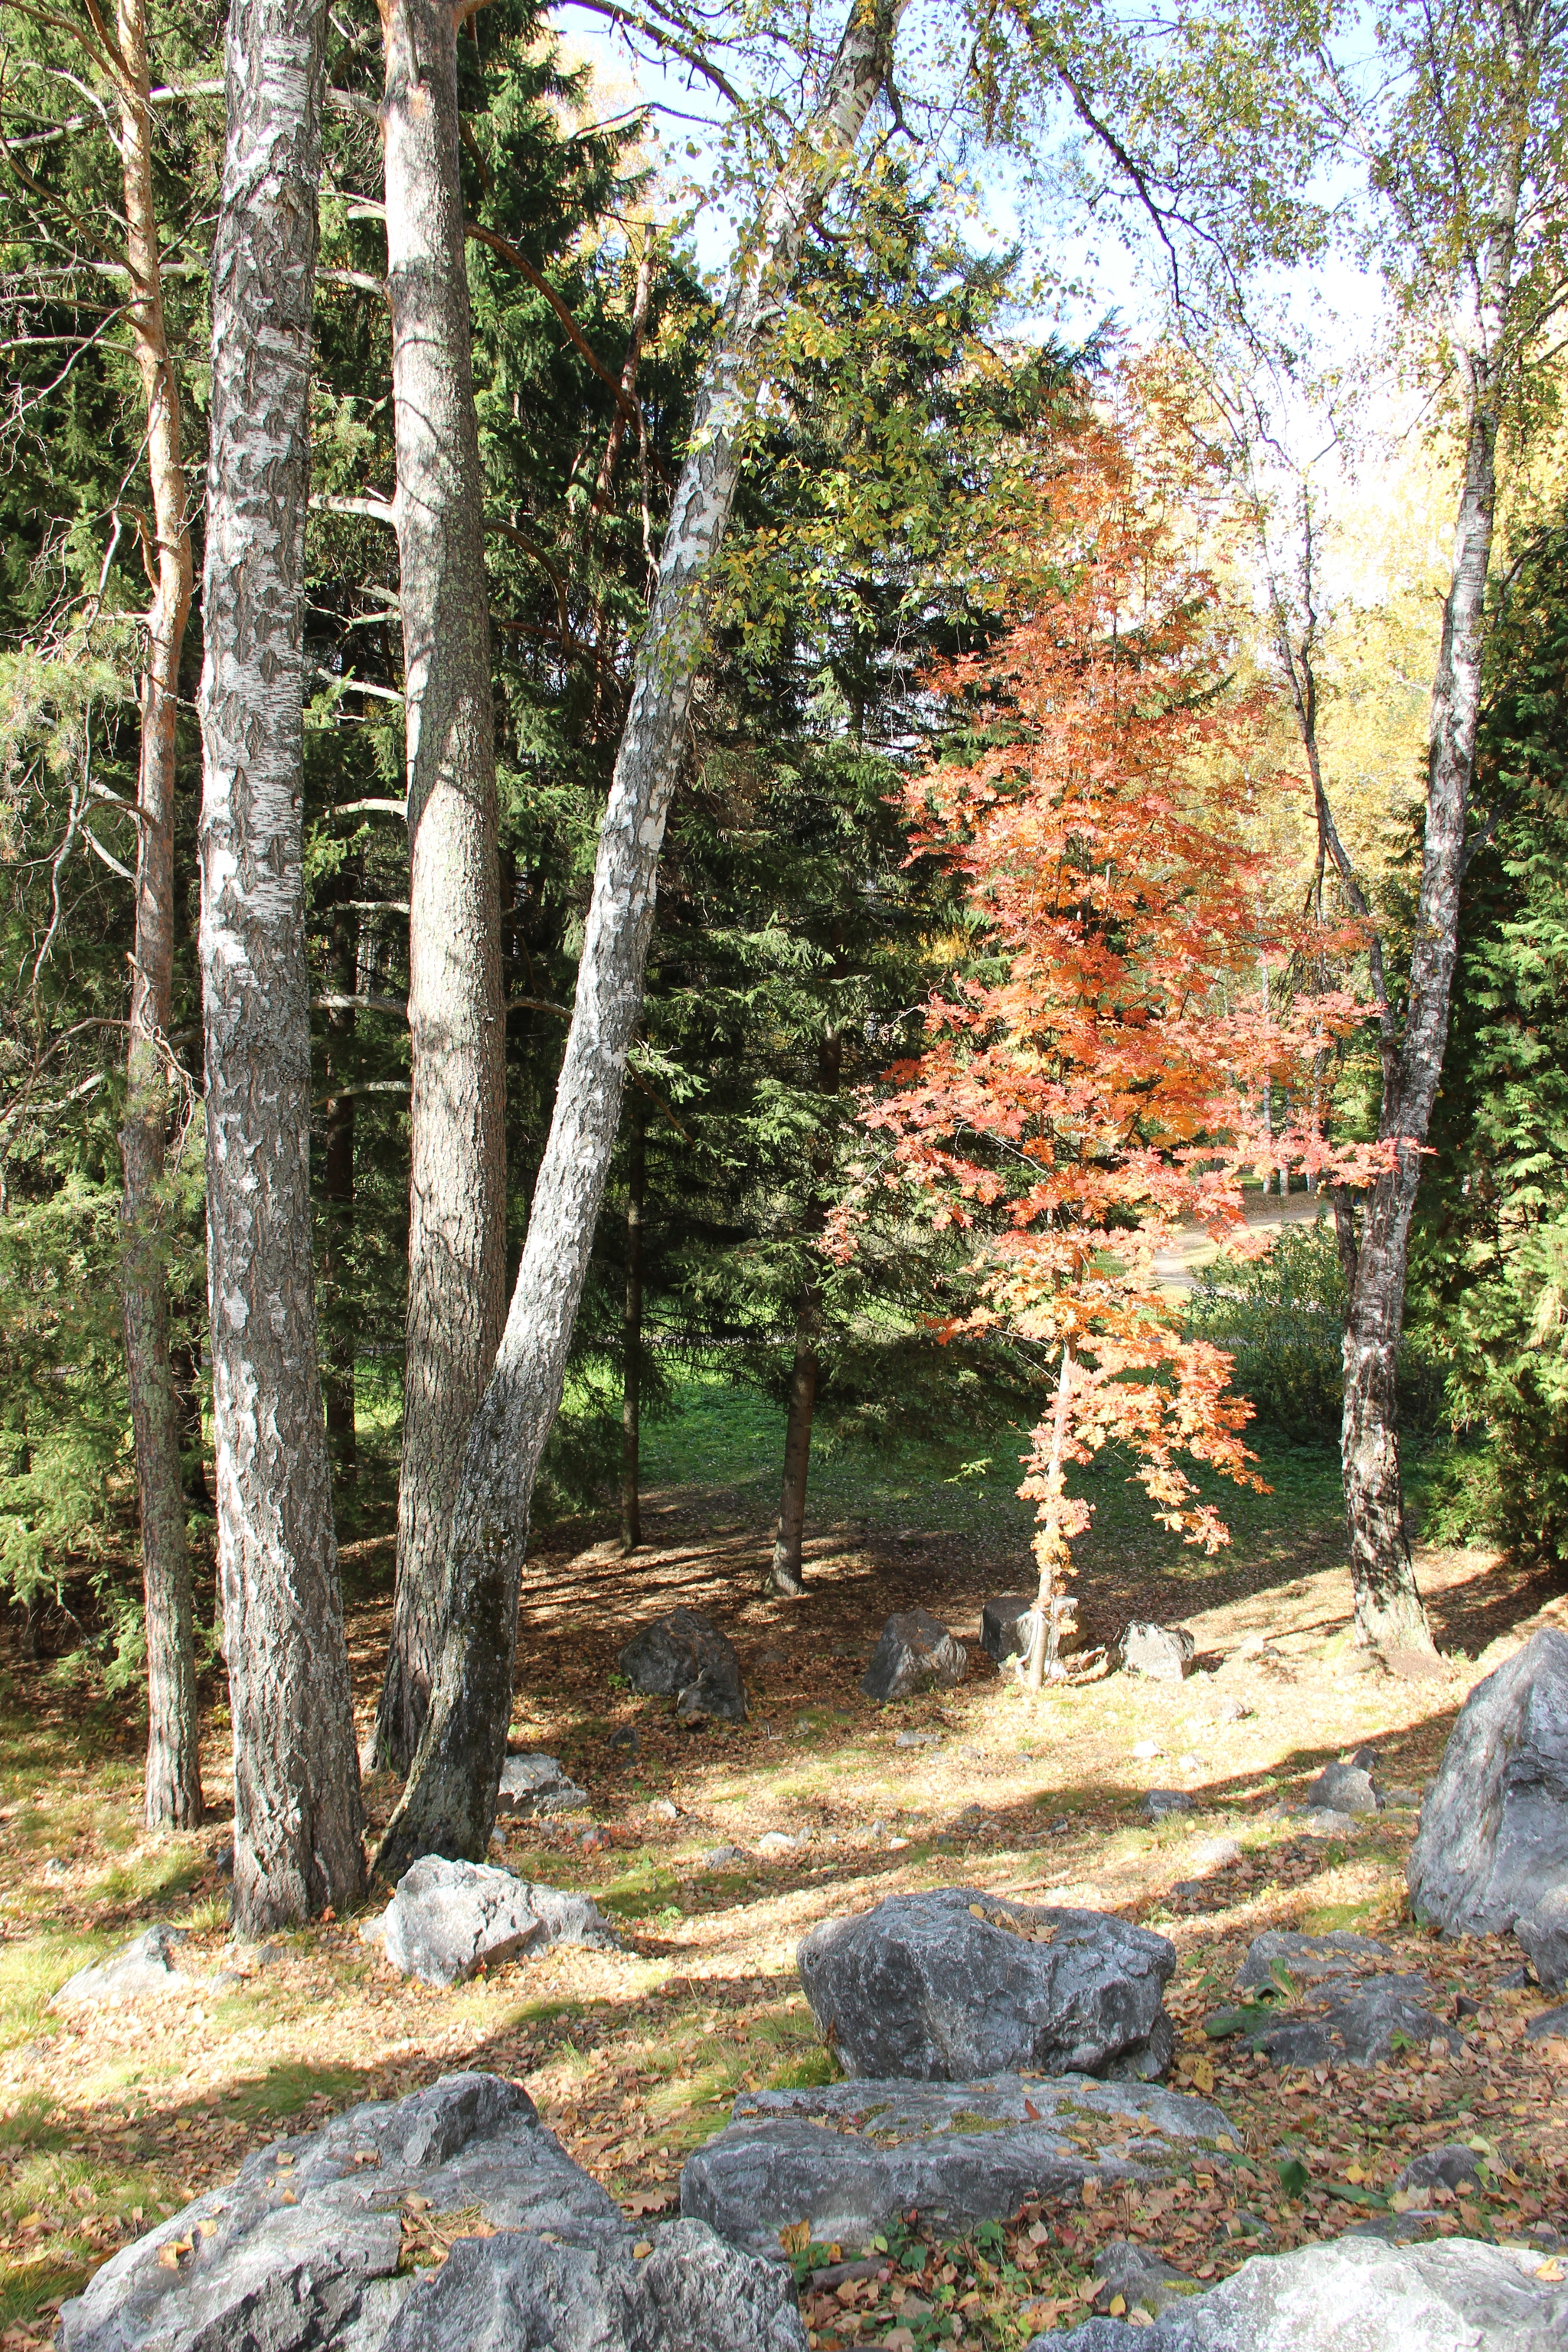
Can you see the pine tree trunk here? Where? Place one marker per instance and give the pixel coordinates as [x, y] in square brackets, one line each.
[449, 1803]
[340, 1353]
[298, 1814]
[631, 1363]
[173, 1794]
[456, 1207]
[784, 1577]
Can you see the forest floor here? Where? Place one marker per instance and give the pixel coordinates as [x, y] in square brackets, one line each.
[110, 2119]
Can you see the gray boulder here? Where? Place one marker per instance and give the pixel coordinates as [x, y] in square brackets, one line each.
[315, 2246]
[533, 1788]
[1305, 1959]
[916, 1652]
[1356, 2294]
[1493, 1840]
[1160, 1804]
[140, 1968]
[521, 2293]
[685, 1658]
[1342, 1789]
[448, 1918]
[1452, 2166]
[1548, 2025]
[1144, 2279]
[1543, 1932]
[1000, 1636]
[1163, 1652]
[957, 1984]
[1354, 2026]
[851, 2158]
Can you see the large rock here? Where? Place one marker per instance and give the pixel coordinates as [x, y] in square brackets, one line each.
[534, 1787]
[958, 1984]
[317, 2242]
[1342, 1789]
[685, 1658]
[1493, 1849]
[145, 1966]
[1347, 2023]
[447, 1918]
[1543, 1932]
[1000, 1634]
[1280, 1958]
[849, 2158]
[916, 1652]
[1163, 1652]
[1357, 2294]
[1003, 1634]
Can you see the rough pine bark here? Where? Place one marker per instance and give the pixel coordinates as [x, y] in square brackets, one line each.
[456, 1221]
[339, 1355]
[172, 1788]
[449, 1804]
[298, 1814]
[784, 1578]
[631, 1343]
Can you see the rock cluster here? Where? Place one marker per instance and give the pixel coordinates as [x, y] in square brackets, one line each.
[315, 2246]
[685, 1658]
[915, 1653]
[447, 1918]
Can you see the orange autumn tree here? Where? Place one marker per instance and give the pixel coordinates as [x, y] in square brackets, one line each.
[1071, 1113]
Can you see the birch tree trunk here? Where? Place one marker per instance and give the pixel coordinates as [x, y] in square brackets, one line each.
[173, 1789]
[449, 1803]
[1374, 1233]
[457, 1220]
[297, 1815]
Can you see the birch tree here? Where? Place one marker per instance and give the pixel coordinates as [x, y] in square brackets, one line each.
[449, 1800]
[1468, 156]
[456, 1226]
[298, 1814]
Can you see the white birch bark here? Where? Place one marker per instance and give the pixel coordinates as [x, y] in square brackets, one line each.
[449, 1803]
[1375, 1235]
[298, 1816]
[456, 1221]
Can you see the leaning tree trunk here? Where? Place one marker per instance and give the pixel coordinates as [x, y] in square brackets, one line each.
[298, 1814]
[449, 1803]
[456, 1207]
[173, 1793]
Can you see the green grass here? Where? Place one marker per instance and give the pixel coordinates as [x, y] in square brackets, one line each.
[722, 1436]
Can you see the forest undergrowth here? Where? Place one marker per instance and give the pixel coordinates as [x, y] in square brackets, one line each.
[110, 2120]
